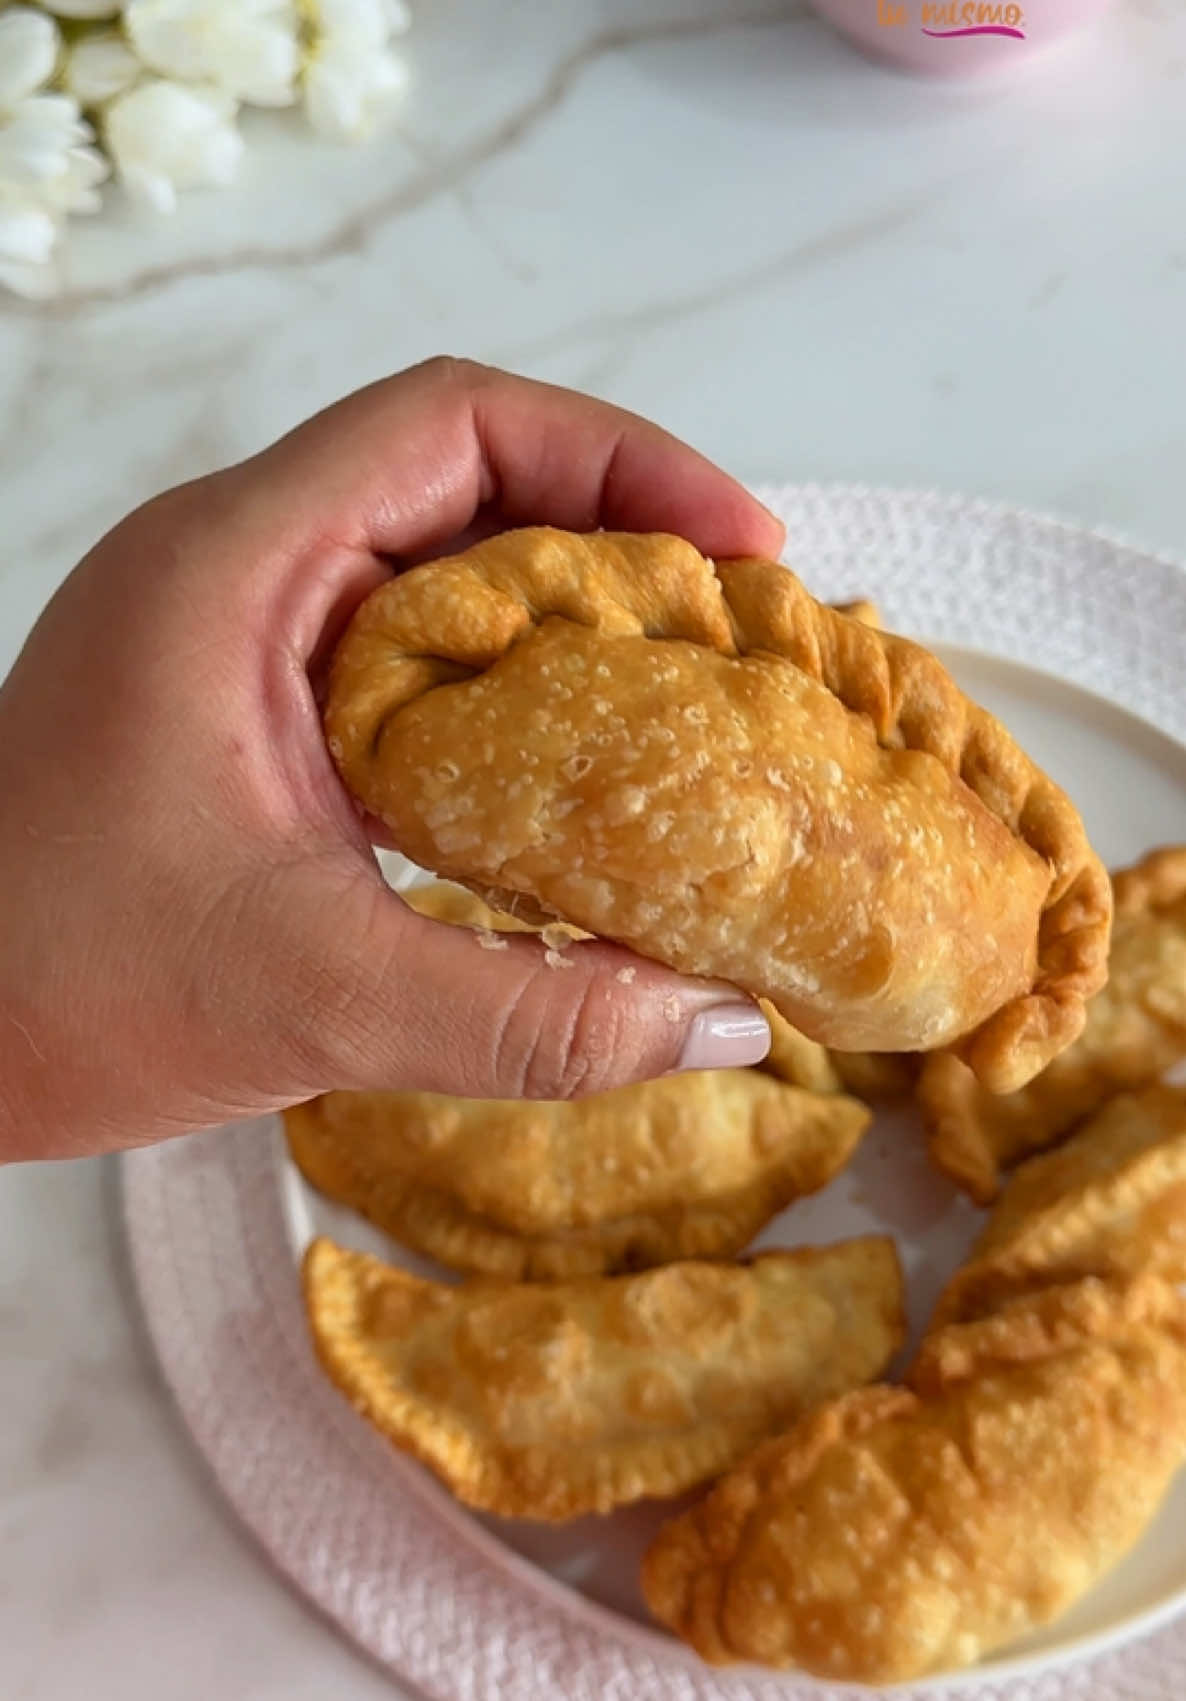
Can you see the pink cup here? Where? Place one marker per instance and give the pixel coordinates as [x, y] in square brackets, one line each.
[958, 38]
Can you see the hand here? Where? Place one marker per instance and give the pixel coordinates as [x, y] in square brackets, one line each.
[192, 924]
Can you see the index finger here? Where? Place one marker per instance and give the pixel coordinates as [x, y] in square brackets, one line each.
[408, 463]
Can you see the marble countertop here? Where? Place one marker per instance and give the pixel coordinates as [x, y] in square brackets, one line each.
[713, 213]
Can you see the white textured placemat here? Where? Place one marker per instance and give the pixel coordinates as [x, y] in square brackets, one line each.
[362, 1533]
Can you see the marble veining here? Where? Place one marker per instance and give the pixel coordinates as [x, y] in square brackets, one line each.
[713, 212]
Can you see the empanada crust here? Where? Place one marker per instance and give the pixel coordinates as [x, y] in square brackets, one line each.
[862, 609]
[1135, 1030]
[550, 1402]
[1111, 1202]
[689, 1166]
[718, 771]
[900, 1532]
[795, 1059]
[880, 1077]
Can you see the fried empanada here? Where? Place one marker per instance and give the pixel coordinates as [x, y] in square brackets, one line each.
[1135, 1030]
[862, 609]
[1110, 1202]
[883, 1077]
[713, 768]
[550, 1402]
[796, 1059]
[688, 1166]
[900, 1532]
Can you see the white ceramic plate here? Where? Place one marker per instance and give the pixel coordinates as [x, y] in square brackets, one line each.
[475, 1608]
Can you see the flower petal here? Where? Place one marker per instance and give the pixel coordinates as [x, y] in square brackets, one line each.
[28, 53]
[246, 47]
[153, 188]
[348, 92]
[165, 136]
[99, 67]
[27, 234]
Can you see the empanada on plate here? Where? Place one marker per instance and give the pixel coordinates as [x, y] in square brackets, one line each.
[796, 1059]
[711, 767]
[689, 1166]
[1135, 1031]
[1110, 1202]
[900, 1532]
[550, 1402]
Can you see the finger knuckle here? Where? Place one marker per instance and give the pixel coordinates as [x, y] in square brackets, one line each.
[561, 1049]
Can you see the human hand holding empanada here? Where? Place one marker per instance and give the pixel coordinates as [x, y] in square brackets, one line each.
[192, 926]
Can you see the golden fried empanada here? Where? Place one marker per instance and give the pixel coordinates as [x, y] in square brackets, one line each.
[1135, 1030]
[1110, 1202]
[900, 1532]
[796, 1059]
[720, 772]
[553, 1401]
[688, 1166]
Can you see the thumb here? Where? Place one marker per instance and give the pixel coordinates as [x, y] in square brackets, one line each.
[420, 1005]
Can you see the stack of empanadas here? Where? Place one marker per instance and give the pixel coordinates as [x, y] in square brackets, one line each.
[1043, 1418]
[592, 1392]
[690, 1166]
[611, 734]
[1044, 1415]
[902, 1531]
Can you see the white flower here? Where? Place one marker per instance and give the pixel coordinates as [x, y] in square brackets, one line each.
[47, 167]
[168, 136]
[47, 170]
[351, 76]
[100, 66]
[247, 48]
[45, 156]
[28, 53]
